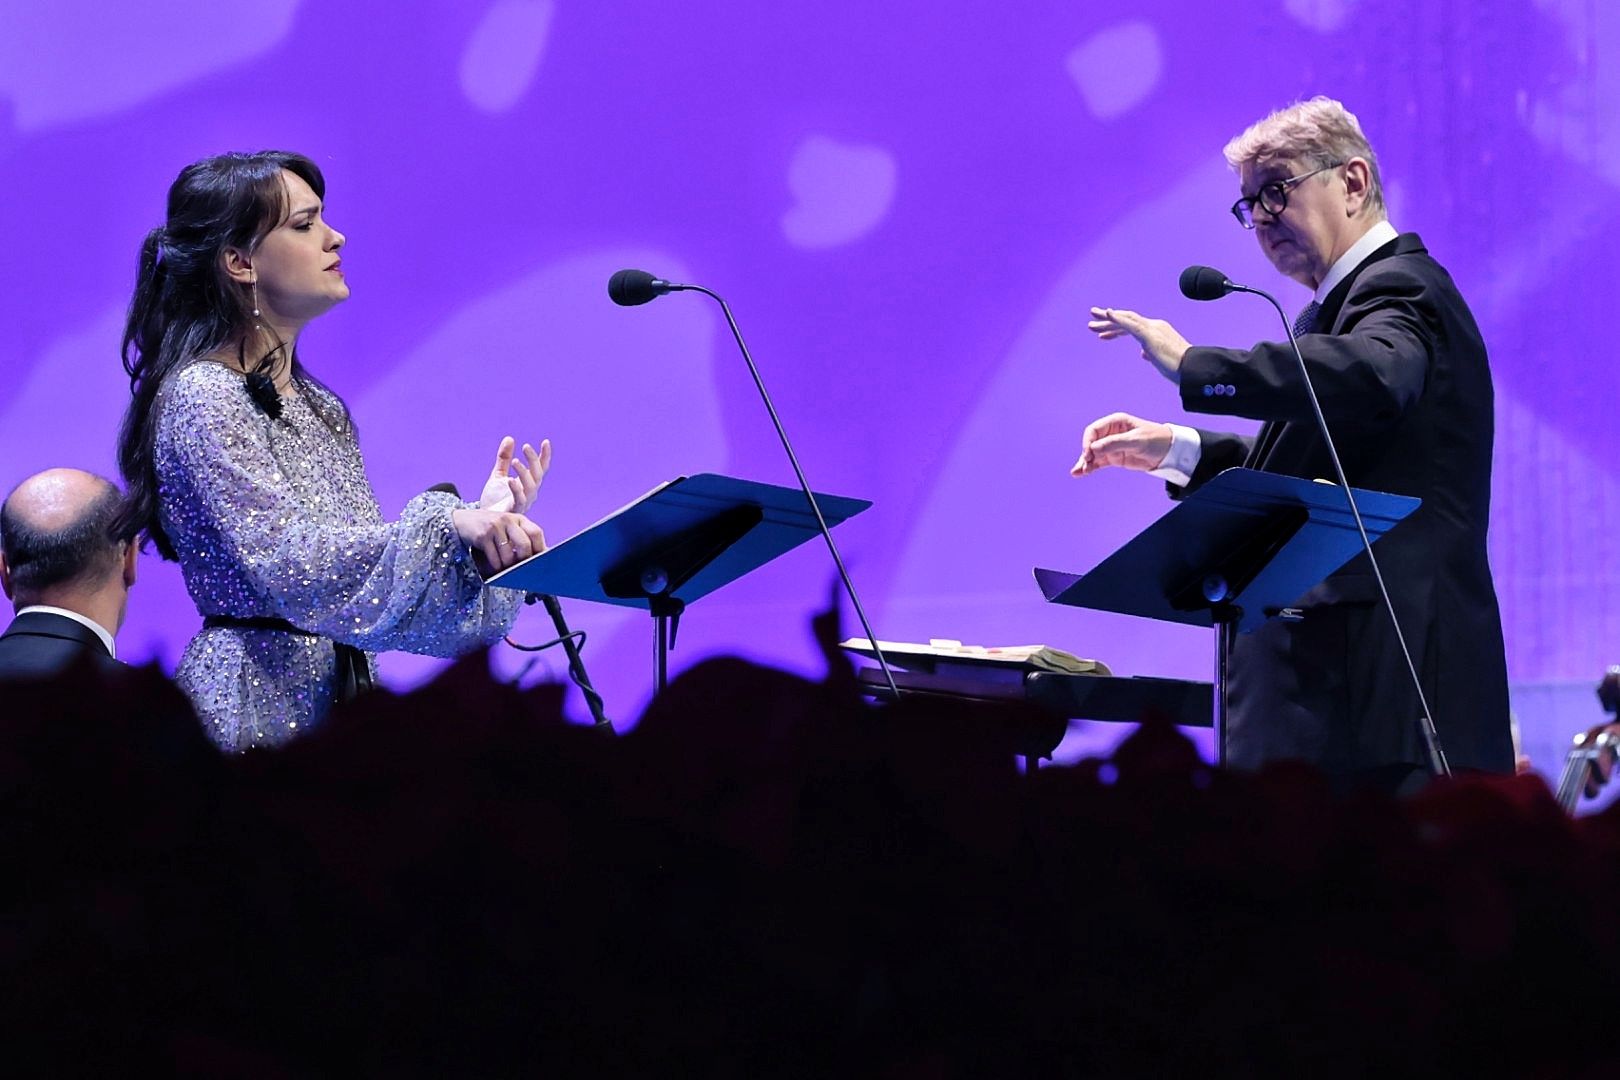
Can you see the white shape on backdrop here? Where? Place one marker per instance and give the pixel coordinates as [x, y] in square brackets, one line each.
[73, 60]
[1323, 16]
[503, 53]
[841, 191]
[626, 396]
[1117, 68]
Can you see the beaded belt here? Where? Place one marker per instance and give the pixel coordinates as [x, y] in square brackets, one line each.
[354, 675]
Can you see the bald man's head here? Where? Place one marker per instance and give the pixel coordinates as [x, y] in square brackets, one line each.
[56, 530]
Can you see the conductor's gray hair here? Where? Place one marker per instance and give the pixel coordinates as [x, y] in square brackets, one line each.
[1320, 131]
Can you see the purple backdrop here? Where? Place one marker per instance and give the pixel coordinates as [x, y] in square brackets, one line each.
[910, 207]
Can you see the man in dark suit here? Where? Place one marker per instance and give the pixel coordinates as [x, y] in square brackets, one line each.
[1402, 375]
[65, 571]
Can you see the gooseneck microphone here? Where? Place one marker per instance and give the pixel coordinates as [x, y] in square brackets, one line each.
[1208, 283]
[629, 288]
[1204, 283]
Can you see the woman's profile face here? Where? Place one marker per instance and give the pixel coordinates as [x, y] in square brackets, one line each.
[296, 265]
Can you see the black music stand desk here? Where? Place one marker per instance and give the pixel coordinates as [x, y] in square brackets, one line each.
[676, 544]
[1062, 696]
[1236, 552]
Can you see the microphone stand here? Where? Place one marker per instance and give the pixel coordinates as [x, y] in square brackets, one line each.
[821, 522]
[566, 637]
[1431, 735]
[576, 662]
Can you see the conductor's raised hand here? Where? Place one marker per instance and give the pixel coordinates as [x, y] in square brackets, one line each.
[1122, 440]
[513, 482]
[1161, 345]
[498, 539]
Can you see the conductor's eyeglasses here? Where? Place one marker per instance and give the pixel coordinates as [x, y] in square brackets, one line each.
[1272, 197]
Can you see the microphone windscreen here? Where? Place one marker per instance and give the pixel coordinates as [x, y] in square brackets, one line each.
[1204, 283]
[627, 288]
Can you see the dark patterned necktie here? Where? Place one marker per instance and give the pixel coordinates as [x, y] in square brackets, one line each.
[1306, 321]
[1261, 448]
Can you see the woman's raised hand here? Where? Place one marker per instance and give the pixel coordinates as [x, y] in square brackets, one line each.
[513, 483]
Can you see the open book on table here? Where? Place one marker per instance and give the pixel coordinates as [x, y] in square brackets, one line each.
[940, 653]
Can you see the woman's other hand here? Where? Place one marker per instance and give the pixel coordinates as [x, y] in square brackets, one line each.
[498, 539]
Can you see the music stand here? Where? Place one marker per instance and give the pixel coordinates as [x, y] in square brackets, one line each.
[676, 544]
[1238, 551]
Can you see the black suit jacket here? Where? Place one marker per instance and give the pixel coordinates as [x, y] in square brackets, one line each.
[1403, 378]
[39, 644]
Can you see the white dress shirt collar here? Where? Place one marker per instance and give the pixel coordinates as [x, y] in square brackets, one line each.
[1373, 239]
[101, 632]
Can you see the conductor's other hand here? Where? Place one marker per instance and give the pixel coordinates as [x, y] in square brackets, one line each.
[512, 484]
[1162, 345]
[1126, 441]
[498, 539]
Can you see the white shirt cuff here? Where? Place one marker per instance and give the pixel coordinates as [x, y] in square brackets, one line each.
[1181, 460]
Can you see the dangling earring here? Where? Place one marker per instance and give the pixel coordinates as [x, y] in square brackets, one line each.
[255, 285]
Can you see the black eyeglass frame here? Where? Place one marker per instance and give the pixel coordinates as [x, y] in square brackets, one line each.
[1277, 190]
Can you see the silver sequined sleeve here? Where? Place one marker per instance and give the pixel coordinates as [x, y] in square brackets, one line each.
[275, 518]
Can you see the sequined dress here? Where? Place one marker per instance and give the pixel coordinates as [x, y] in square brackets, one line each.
[274, 518]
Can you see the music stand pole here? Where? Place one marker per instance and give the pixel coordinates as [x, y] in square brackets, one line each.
[1225, 632]
[666, 613]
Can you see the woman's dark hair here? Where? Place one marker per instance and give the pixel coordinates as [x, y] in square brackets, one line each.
[186, 307]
